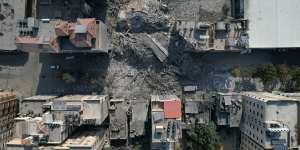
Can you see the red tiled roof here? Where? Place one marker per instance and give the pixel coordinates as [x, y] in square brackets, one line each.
[90, 23]
[61, 28]
[86, 21]
[172, 109]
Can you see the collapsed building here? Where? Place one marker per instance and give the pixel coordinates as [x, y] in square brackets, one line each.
[197, 107]
[166, 118]
[127, 120]
[118, 120]
[8, 111]
[58, 36]
[10, 12]
[228, 109]
[61, 117]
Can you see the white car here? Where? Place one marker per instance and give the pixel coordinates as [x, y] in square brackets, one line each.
[55, 67]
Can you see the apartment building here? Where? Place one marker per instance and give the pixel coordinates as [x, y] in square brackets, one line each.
[8, 110]
[269, 122]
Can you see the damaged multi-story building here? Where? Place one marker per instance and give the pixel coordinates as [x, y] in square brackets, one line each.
[86, 35]
[10, 12]
[228, 109]
[63, 116]
[8, 111]
[166, 115]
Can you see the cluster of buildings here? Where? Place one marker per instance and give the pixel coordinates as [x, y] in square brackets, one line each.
[90, 122]
[250, 18]
[265, 120]
[59, 36]
[93, 122]
[49, 122]
[219, 36]
[35, 26]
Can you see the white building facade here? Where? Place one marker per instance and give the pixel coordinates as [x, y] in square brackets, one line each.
[269, 122]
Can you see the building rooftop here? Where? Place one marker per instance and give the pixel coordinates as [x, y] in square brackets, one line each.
[39, 98]
[81, 97]
[276, 19]
[84, 138]
[57, 36]
[166, 118]
[4, 96]
[11, 11]
[80, 139]
[192, 107]
[172, 109]
[163, 98]
[118, 119]
[139, 117]
[266, 97]
[292, 95]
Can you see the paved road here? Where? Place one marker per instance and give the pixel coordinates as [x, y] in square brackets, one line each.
[31, 74]
[19, 72]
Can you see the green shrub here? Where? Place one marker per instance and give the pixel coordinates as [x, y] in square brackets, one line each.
[68, 78]
[283, 72]
[266, 72]
[236, 71]
[203, 137]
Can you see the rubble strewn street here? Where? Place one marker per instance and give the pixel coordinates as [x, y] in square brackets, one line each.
[149, 74]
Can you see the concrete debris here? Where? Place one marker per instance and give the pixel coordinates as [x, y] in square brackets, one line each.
[160, 52]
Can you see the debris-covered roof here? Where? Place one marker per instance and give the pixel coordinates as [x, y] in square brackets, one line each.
[11, 11]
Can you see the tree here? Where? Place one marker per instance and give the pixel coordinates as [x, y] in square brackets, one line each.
[68, 78]
[295, 74]
[283, 72]
[266, 72]
[236, 71]
[203, 137]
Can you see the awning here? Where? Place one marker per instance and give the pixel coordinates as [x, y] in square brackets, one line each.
[278, 129]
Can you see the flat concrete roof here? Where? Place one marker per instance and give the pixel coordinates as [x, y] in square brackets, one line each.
[81, 97]
[12, 12]
[273, 23]
[267, 97]
[40, 98]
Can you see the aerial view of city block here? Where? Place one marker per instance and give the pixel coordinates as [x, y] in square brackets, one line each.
[149, 74]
